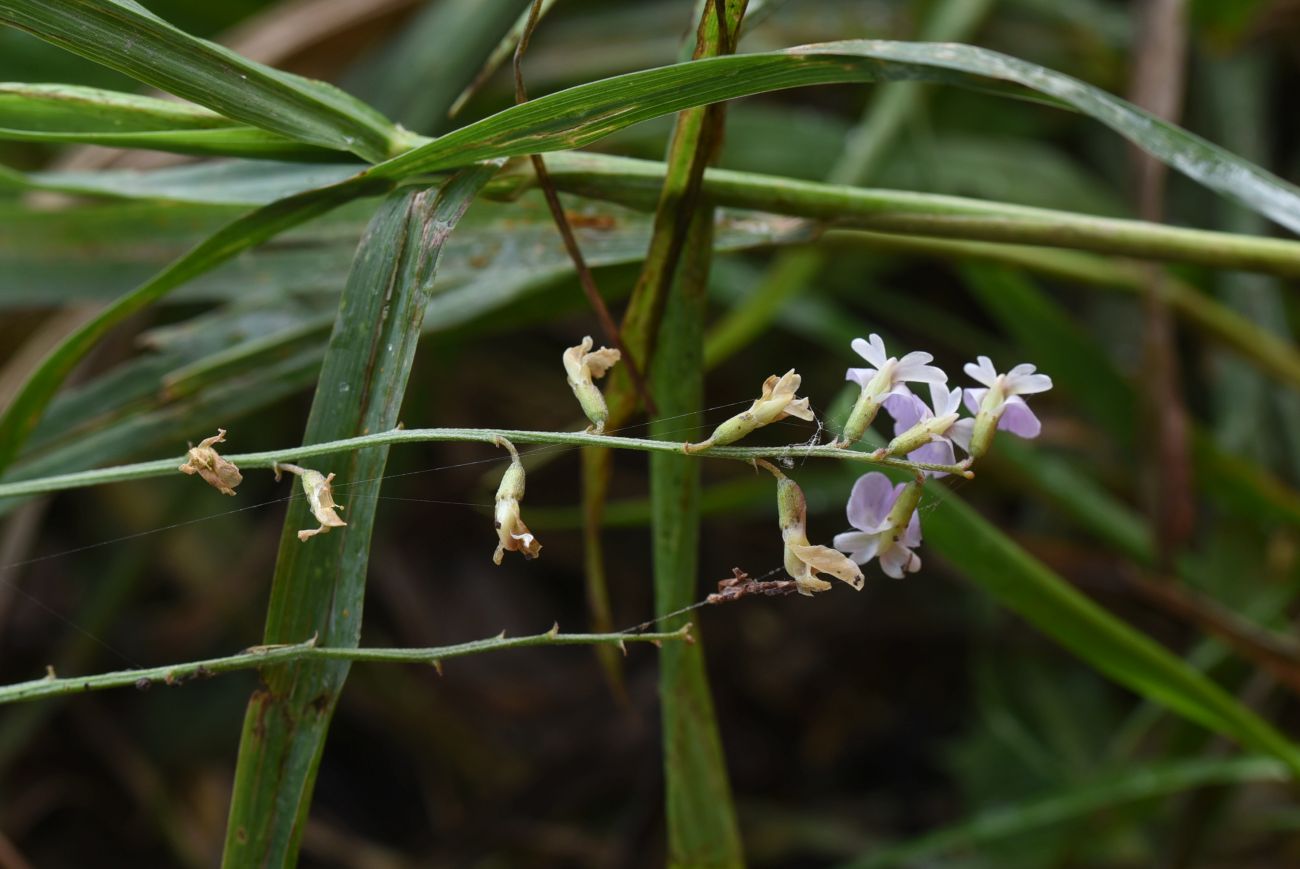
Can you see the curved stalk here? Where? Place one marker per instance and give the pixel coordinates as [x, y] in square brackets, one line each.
[167, 467]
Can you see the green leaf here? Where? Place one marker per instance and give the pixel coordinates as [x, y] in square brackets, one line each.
[63, 113]
[583, 114]
[1076, 802]
[24, 411]
[980, 551]
[667, 312]
[125, 36]
[319, 585]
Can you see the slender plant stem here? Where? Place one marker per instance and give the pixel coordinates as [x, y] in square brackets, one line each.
[164, 467]
[261, 656]
[636, 183]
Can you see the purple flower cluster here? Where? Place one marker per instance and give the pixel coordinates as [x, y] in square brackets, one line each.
[884, 515]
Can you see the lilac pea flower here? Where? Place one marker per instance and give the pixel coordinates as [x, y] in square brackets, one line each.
[922, 431]
[999, 406]
[888, 527]
[887, 376]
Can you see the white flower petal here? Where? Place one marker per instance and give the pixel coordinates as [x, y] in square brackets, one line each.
[983, 372]
[1027, 384]
[872, 350]
[961, 431]
[860, 376]
[858, 545]
[914, 373]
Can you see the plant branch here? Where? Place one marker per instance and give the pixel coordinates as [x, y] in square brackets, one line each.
[166, 467]
[636, 183]
[585, 277]
[261, 656]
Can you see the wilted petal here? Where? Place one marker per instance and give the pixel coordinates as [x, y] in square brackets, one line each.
[872, 350]
[870, 500]
[823, 559]
[801, 409]
[983, 372]
[1018, 419]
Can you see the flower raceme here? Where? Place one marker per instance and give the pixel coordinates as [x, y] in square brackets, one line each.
[777, 402]
[998, 405]
[888, 526]
[887, 377]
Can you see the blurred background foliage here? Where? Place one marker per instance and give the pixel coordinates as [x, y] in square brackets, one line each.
[916, 721]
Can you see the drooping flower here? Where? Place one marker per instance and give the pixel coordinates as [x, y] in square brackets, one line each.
[887, 376]
[803, 561]
[581, 366]
[217, 472]
[922, 432]
[320, 499]
[888, 527]
[776, 403]
[512, 534]
[999, 405]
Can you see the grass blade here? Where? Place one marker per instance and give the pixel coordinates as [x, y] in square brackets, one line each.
[319, 586]
[72, 114]
[24, 412]
[580, 115]
[1076, 803]
[702, 828]
[125, 36]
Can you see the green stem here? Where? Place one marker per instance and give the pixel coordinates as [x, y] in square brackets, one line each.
[257, 657]
[165, 467]
[636, 183]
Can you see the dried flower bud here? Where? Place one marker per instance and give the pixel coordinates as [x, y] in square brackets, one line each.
[803, 561]
[217, 472]
[512, 533]
[320, 498]
[776, 403]
[582, 365]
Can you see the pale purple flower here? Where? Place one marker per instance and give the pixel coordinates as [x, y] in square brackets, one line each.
[1004, 404]
[912, 368]
[878, 533]
[938, 418]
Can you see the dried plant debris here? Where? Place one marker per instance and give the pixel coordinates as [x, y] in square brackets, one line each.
[582, 365]
[320, 498]
[512, 534]
[217, 472]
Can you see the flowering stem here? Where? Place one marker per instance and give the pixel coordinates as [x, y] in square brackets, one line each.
[165, 467]
[251, 659]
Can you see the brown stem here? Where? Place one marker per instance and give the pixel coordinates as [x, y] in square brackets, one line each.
[585, 277]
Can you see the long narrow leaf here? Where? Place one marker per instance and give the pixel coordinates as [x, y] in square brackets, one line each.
[1077, 802]
[319, 584]
[73, 114]
[24, 411]
[125, 36]
[586, 113]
